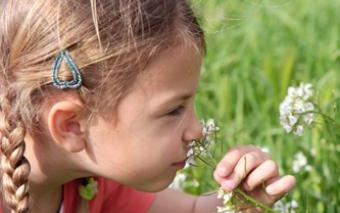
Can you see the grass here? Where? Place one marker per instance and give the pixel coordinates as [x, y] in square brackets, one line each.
[256, 50]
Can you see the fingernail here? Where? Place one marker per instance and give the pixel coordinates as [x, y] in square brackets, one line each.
[222, 171]
[228, 185]
[270, 190]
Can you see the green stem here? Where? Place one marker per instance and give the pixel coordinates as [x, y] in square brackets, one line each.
[204, 161]
[237, 190]
[255, 202]
[245, 196]
[326, 116]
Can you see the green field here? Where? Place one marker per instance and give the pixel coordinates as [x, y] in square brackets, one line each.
[255, 51]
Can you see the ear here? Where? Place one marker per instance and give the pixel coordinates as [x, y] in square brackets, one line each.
[65, 121]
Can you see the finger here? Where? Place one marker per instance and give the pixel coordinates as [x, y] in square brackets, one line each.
[260, 194]
[229, 161]
[280, 186]
[267, 170]
[244, 166]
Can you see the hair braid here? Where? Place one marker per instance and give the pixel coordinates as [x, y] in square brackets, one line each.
[15, 167]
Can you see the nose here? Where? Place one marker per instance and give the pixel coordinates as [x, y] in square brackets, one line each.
[193, 130]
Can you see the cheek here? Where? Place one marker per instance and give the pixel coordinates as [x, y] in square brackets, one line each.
[139, 153]
[141, 161]
[171, 128]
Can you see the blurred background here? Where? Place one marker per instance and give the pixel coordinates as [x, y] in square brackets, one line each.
[256, 50]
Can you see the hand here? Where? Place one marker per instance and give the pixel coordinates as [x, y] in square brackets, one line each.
[253, 171]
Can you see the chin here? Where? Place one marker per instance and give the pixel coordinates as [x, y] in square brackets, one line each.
[154, 188]
[156, 185]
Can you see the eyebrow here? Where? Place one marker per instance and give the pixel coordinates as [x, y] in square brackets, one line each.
[183, 97]
[165, 103]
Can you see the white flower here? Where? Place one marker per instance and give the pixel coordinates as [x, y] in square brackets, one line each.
[178, 181]
[225, 209]
[201, 145]
[195, 183]
[313, 151]
[191, 158]
[265, 149]
[308, 168]
[226, 196]
[290, 207]
[295, 107]
[228, 206]
[300, 162]
[292, 119]
[299, 130]
[293, 204]
[209, 127]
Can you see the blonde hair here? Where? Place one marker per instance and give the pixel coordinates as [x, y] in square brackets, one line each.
[111, 41]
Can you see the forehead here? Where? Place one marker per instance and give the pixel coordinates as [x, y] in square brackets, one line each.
[174, 71]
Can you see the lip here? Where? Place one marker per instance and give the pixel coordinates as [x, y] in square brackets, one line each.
[181, 163]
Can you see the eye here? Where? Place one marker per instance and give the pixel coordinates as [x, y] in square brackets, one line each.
[176, 111]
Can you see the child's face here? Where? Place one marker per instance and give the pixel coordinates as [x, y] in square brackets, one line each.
[156, 121]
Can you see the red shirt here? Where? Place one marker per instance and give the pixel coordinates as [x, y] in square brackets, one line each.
[111, 197]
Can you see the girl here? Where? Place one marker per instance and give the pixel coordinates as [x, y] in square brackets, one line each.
[105, 89]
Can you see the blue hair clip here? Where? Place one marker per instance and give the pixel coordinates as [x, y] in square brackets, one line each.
[75, 82]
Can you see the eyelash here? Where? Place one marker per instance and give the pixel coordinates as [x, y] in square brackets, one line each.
[176, 111]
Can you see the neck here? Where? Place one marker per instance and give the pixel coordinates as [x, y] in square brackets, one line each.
[45, 200]
[49, 172]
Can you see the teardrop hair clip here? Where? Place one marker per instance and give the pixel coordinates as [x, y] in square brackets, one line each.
[75, 82]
